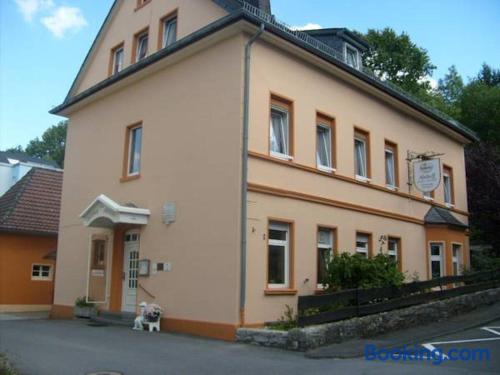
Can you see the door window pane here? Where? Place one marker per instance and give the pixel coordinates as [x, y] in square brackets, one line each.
[276, 264]
[436, 250]
[278, 255]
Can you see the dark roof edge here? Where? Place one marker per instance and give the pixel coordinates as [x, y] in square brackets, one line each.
[242, 14]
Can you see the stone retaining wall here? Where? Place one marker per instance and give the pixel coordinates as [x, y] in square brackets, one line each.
[302, 339]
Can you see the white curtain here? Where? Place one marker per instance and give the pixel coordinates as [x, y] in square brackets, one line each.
[324, 146]
[389, 169]
[279, 132]
[360, 154]
[170, 32]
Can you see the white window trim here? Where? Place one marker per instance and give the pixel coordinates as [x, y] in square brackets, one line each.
[391, 186]
[360, 250]
[130, 138]
[275, 154]
[322, 167]
[324, 246]
[365, 147]
[115, 54]
[358, 57]
[286, 244]
[457, 259]
[436, 258]
[42, 278]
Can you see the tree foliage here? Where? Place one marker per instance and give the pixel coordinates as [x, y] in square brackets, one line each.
[397, 59]
[51, 146]
[348, 271]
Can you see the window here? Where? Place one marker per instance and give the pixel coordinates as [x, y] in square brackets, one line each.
[278, 275]
[351, 56]
[169, 27]
[141, 46]
[325, 144]
[325, 253]
[448, 185]
[436, 249]
[391, 165]
[394, 249]
[361, 155]
[133, 150]
[99, 254]
[41, 272]
[117, 55]
[456, 256]
[363, 244]
[280, 129]
[429, 196]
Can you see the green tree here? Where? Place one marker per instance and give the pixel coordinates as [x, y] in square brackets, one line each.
[397, 59]
[489, 76]
[52, 145]
[18, 148]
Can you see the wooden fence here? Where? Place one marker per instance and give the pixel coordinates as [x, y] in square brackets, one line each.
[317, 309]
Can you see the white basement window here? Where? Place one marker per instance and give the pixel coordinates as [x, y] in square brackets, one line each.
[41, 272]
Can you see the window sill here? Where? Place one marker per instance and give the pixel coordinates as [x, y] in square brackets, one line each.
[142, 5]
[366, 180]
[130, 178]
[281, 156]
[392, 187]
[280, 292]
[430, 199]
[449, 205]
[326, 169]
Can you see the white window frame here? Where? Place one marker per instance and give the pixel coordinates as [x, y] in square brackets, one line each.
[166, 23]
[286, 113]
[365, 151]
[456, 259]
[130, 153]
[140, 38]
[437, 258]
[347, 47]
[393, 167]
[329, 167]
[280, 226]
[395, 252]
[319, 246]
[362, 250]
[39, 277]
[115, 57]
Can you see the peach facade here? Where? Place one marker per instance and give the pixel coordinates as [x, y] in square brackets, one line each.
[190, 105]
[19, 291]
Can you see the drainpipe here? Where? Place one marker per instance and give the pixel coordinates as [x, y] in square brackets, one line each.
[244, 171]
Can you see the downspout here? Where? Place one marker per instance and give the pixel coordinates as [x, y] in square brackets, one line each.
[244, 172]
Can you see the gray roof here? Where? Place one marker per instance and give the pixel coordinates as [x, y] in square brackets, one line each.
[243, 10]
[442, 216]
[25, 158]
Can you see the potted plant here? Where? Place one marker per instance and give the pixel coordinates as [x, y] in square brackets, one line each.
[152, 313]
[83, 308]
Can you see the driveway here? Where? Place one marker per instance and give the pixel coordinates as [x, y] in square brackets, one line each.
[50, 347]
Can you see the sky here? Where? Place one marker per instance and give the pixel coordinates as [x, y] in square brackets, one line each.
[43, 43]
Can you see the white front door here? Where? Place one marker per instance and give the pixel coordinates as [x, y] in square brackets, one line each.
[130, 271]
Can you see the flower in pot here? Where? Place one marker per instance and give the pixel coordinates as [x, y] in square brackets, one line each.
[83, 308]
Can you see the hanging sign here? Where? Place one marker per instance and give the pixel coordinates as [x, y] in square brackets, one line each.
[427, 175]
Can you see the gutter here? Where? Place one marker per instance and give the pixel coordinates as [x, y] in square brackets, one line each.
[244, 170]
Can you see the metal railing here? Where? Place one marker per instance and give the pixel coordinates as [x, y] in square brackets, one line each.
[332, 52]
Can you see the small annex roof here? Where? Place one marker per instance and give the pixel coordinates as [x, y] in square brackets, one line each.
[104, 212]
[32, 205]
[12, 157]
[441, 216]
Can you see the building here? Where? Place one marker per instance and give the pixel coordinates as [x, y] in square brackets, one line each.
[14, 165]
[29, 221]
[215, 157]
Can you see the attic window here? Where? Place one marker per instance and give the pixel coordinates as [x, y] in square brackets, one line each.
[351, 56]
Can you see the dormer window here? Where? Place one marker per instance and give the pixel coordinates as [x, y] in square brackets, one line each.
[351, 56]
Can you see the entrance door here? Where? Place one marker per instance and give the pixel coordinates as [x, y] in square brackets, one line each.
[130, 271]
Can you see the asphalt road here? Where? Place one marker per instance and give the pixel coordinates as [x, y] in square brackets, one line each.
[47, 347]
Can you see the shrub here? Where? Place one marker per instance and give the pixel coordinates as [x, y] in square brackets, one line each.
[287, 321]
[347, 271]
[82, 302]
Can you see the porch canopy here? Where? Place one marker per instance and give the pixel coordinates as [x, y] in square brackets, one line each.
[104, 212]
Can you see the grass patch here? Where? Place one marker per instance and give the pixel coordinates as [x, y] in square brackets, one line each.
[5, 366]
